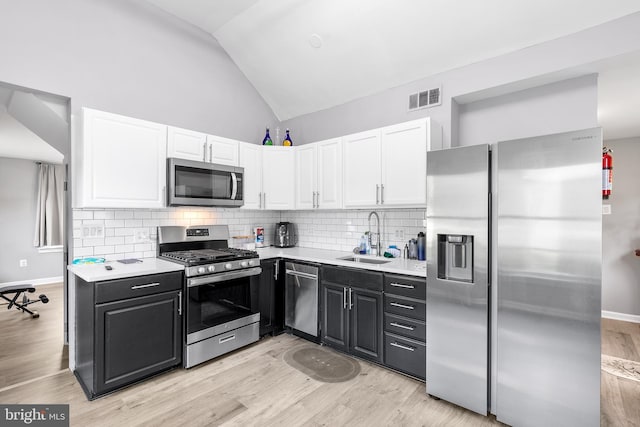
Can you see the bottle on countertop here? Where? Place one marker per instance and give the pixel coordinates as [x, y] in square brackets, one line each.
[413, 249]
[422, 246]
[287, 140]
[267, 139]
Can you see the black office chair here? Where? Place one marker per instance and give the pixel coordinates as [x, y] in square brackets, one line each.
[22, 289]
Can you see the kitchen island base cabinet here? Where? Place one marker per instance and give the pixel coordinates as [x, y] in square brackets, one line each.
[127, 330]
[352, 312]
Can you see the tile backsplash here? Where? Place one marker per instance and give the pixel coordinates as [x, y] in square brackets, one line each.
[132, 233]
[123, 228]
[341, 229]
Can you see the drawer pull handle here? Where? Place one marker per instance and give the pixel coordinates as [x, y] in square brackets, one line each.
[404, 347]
[148, 285]
[400, 325]
[405, 306]
[402, 285]
[227, 338]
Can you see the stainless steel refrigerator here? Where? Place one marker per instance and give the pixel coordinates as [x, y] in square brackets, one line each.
[514, 278]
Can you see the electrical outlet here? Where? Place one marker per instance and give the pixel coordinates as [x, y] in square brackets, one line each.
[93, 231]
[399, 235]
[23, 263]
[140, 236]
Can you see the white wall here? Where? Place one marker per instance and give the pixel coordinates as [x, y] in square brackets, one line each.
[621, 233]
[17, 225]
[568, 57]
[130, 58]
[553, 108]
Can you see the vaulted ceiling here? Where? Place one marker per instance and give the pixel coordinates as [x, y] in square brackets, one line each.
[307, 55]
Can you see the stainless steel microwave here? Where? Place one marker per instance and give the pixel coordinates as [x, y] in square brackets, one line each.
[191, 183]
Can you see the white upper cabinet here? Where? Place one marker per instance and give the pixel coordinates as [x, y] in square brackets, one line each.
[278, 175]
[404, 164]
[329, 189]
[268, 176]
[319, 175]
[223, 151]
[251, 161]
[306, 176]
[186, 144]
[361, 169]
[192, 145]
[387, 167]
[124, 162]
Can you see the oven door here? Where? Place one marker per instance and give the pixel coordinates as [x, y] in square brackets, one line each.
[204, 184]
[221, 302]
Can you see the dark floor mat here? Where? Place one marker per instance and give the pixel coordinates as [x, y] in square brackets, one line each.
[322, 364]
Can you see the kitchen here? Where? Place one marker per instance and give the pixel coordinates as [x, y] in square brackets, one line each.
[242, 116]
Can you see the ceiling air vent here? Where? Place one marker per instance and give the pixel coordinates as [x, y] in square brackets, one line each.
[425, 99]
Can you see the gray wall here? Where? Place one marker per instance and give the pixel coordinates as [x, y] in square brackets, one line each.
[130, 58]
[567, 57]
[17, 222]
[621, 231]
[553, 108]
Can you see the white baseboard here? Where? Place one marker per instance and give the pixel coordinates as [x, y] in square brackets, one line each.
[621, 316]
[36, 282]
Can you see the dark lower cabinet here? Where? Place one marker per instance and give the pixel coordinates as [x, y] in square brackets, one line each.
[404, 324]
[335, 327]
[352, 312]
[135, 338]
[365, 324]
[127, 330]
[271, 297]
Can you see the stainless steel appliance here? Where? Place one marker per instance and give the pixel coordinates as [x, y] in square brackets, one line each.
[301, 298]
[221, 288]
[285, 235]
[191, 183]
[514, 278]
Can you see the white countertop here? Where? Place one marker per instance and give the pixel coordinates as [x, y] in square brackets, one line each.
[325, 256]
[97, 272]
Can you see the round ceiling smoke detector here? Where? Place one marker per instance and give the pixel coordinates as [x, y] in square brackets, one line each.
[315, 41]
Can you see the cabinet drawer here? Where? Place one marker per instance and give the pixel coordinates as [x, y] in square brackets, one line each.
[405, 286]
[131, 287]
[404, 326]
[405, 355]
[405, 307]
[353, 277]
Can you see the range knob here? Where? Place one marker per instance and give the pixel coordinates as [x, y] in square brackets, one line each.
[252, 263]
[244, 263]
[228, 266]
[201, 270]
[211, 269]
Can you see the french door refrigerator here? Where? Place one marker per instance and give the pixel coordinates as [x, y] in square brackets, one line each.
[514, 278]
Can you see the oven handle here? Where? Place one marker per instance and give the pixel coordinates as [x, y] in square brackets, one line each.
[221, 277]
[234, 186]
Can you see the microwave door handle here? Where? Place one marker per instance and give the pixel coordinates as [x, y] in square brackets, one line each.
[234, 185]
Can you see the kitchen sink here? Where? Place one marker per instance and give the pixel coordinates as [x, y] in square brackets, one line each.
[364, 260]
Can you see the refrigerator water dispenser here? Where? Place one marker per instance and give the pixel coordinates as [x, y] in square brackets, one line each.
[455, 257]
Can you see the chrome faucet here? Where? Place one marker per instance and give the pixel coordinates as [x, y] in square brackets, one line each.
[377, 243]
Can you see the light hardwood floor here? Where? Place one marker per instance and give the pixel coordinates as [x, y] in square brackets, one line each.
[254, 386]
[31, 348]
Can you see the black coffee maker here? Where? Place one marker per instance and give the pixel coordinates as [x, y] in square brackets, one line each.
[285, 235]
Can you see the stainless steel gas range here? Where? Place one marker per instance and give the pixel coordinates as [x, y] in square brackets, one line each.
[221, 288]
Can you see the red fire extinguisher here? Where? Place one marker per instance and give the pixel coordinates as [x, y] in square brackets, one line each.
[607, 172]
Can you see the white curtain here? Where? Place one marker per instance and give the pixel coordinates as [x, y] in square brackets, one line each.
[49, 205]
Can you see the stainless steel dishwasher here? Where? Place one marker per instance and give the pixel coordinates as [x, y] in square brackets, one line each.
[301, 298]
